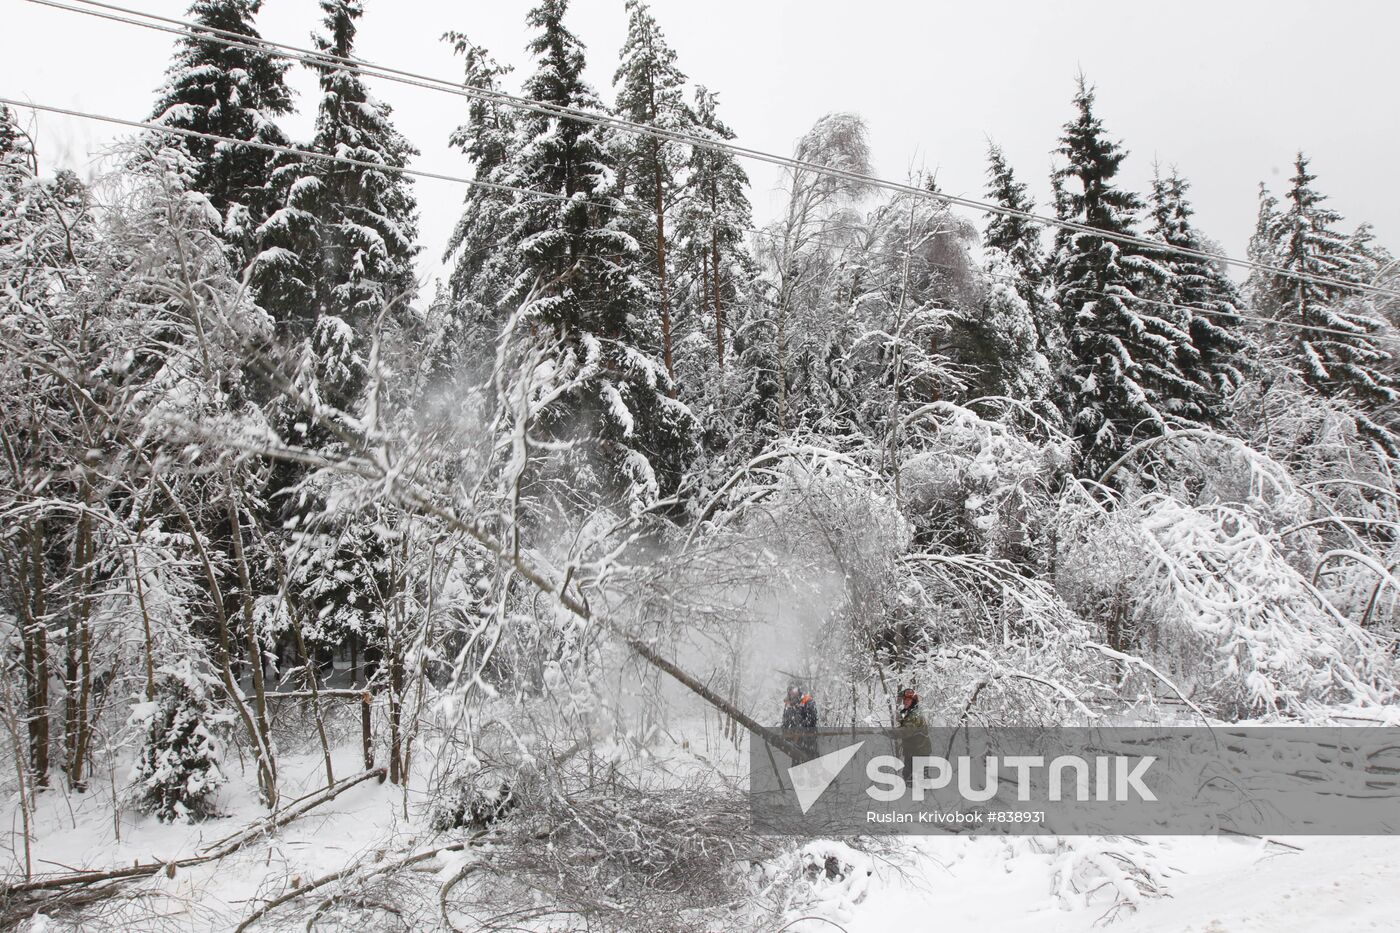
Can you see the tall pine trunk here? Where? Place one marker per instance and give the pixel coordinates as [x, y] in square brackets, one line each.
[660, 204]
[714, 270]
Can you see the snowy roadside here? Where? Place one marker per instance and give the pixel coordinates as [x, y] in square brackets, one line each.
[75, 832]
[1215, 885]
[1013, 884]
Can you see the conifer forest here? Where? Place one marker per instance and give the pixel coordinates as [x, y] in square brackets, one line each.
[354, 576]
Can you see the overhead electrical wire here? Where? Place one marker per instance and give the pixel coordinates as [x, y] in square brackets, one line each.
[530, 192]
[314, 58]
[1210, 313]
[312, 154]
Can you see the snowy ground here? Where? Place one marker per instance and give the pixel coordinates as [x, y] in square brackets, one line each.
[1213, 884]
[1222, 885]
[77, 832]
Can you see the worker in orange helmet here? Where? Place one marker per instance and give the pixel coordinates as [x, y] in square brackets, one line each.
[800, 723]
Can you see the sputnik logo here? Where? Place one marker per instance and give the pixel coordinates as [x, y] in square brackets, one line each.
[811, 778]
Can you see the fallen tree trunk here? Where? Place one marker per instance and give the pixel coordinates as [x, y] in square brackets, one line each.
[272, 821]
[367, 460]
[414, 499]
[770, 736]
[16, 900]
[378, 869]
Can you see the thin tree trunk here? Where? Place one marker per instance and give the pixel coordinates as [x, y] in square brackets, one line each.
[396, 684]
[895, 415]
[393, 650]
[141, 602]
[657, 174]
[25, 796]
[715, 292]
[70, 681]
[269, 773]
[783, 299]
[36, 650]
[79, 666]
[311, 684]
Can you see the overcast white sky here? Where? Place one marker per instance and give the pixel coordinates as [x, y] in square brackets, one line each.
[1227, 91]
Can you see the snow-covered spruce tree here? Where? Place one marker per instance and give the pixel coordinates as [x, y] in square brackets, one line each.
[14, 144]
[283, 274]
[351, 233]
[481, 273]
[1124, 351]
[1375, 265]
[366, 218]
[1216, 358]
[213, 87]
[1015, 248]
[997, 344]
[1261, 249]
[714, 221]
[649, 92]
[1016, 237]
[715, 294]
[755, 375]
[1015, 329]
[177, 769]
[1064, 210]
[581, 273]
[1330, 332]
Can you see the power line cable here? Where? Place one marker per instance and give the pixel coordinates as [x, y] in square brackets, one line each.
[316, 58]
[321, 156]
[530, 192]
[1212, 314]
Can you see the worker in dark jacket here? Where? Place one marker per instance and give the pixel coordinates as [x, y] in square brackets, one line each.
[800, 723]
[913, 737]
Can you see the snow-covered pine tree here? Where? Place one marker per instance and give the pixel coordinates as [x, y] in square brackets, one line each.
[1017, 238]
[1216, 358]
[1261, 250]
[715, 221]
[1376, 266]
[18, 170]
[12, 141]
[583, 270]
[1331, 332]
[177, 768]
[1015, 257]
[649, 92]
[366, 218]
[715, 275]
[482, 273]
[1124, 351]
[217, 88]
